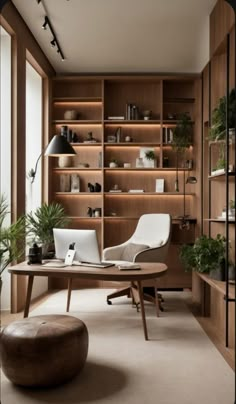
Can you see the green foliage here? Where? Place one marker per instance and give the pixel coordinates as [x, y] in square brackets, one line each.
[150, 155]
[40, 223]
[218, 126]
[12, 238]
[182, 134]
[204, 255]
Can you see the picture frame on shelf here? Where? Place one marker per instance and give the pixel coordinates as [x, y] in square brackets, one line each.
[160, 185]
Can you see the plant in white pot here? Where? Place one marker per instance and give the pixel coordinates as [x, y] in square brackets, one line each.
[40, 226]
[12, 237]
[150, 159]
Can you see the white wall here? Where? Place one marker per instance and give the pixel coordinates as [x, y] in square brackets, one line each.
[5, 142]
[33, 150]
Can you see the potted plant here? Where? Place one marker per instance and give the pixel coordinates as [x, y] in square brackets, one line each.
[150, 158]
[218, 126]
[12, 237]
[182, 140]
[40, 225]
[206, 255]
[113, 163]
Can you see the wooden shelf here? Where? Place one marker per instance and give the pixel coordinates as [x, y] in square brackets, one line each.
[77, 122]
[130, 144]
[145, 169]
[221, 176]
[147, 193]
[219, 221]
[77, 169]
[85, 218]
[178, 100]
[82, 144]
[79, 193]
[77, 99]
[132, 122]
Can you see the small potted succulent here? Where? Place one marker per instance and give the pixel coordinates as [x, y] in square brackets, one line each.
[113, 163]
[150, 159]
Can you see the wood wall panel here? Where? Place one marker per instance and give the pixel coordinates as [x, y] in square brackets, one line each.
[221, 22]
[22, 42]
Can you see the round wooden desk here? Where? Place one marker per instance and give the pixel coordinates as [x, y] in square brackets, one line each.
[148, 271]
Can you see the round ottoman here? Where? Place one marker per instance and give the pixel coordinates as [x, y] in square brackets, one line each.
[44, 350]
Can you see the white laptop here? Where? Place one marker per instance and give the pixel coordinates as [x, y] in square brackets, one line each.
[86, 248]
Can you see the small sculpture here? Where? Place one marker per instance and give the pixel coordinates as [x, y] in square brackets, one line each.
[90, 187]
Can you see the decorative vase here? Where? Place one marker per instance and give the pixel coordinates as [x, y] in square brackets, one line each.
[112, 164]
[176, 185]
[64, 161]
[70, 115]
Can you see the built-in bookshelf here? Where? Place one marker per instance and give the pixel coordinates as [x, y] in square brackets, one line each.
[117, 119]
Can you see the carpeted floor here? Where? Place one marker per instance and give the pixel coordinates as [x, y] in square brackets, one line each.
[178, 365]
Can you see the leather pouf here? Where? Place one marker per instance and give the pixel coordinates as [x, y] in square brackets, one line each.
[43, 350]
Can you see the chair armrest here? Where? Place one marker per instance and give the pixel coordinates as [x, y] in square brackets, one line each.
[157, 254]
[113, 253]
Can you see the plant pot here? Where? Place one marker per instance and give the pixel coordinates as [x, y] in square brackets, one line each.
[231, 272]
[218, 274]
[48, 251]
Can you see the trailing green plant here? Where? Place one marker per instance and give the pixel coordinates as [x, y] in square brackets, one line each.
[40, 223]
[218, 119]
[150, 155]
[204, 255]
[182, 133]
[12, 237]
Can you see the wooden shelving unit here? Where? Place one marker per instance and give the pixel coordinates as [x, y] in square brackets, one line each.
[95, 99]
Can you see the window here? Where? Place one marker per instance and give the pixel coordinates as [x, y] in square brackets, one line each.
[33, 136]
[5, 141]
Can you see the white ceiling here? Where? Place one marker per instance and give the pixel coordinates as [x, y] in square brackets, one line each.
[123, 35]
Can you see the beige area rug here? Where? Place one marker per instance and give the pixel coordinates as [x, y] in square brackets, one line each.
[178, 365]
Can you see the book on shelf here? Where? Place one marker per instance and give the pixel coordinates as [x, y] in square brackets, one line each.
[115, 190]
[136, 190]
[119, 117]
[167, 135]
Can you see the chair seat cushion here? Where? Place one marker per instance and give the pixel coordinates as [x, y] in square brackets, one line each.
[131, 250]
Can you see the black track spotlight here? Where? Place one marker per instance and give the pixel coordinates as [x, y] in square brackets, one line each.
[44, 26]
[53, 43]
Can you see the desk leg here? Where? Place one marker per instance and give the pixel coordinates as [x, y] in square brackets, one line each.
[140, 290]
[28, 296]
[69, 294]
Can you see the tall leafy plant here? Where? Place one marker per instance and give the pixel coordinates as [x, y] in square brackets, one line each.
[12, 237]
[40, 223]
[218, 120]
[182, 140]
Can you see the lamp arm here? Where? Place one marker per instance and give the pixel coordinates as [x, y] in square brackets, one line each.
[32, 172]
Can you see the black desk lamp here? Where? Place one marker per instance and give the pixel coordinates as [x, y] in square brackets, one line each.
[184, 224]
[58, 146]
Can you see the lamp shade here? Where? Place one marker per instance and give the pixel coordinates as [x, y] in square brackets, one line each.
[59, 146]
